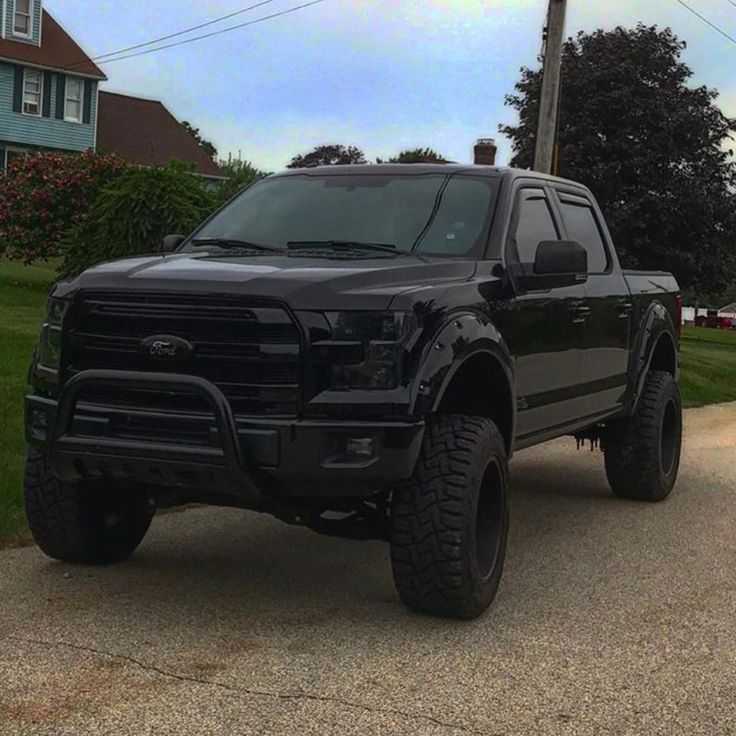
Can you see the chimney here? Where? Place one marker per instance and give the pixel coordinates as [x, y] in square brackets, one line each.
[485, 152]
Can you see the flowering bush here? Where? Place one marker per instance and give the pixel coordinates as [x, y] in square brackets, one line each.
[46, 194]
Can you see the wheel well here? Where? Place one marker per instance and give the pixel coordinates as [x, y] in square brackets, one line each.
[480, 388]
[664, 357]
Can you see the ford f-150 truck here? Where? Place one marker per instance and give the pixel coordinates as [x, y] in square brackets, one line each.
[358, 350]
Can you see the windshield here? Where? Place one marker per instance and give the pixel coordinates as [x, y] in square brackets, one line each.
[438, 214]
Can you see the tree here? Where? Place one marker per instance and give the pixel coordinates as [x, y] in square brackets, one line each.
[332, 155]
[649, 146]
[240, 175]
[710, 301]
[416, 156]
[209, 148]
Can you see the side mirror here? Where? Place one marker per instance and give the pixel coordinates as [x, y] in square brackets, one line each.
[171, 243]
[558, 257]
[558, 263]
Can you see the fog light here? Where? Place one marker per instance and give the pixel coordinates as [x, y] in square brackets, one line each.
[359, 446]
[39, 423]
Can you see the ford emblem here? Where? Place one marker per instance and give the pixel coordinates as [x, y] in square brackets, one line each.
[167, 347]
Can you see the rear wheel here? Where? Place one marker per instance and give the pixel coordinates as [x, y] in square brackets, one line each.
[643, 452]
[450, 521]
[96, 523]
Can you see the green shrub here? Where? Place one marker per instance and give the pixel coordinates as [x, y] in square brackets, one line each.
[240, 175]
[44, 195]
[132, 216]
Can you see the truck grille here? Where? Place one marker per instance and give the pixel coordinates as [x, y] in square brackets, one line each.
[251, 350]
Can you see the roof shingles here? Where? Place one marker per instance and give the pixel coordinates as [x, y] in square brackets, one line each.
[144, 132]
[58, 51]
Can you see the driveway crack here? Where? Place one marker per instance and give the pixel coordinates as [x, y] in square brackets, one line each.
[246, 690]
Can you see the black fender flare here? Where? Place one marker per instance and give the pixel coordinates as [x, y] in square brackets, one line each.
[463, 336]
[656, 325]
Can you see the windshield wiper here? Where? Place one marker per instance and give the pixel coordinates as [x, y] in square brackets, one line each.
[231, 243]
[340, 245]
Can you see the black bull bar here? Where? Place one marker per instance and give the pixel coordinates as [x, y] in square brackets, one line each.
[67, 451]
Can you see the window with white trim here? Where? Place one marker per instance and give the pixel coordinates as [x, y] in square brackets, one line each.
[22, 18]
[32, 88]
[73, 100]
[15, 154]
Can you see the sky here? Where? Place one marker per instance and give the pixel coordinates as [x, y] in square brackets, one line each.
[383, 75]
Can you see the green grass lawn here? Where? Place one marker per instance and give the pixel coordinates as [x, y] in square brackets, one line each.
[23, 291]
[708, 374]
[708, 362]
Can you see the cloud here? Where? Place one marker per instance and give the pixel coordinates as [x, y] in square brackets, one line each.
[380, 74]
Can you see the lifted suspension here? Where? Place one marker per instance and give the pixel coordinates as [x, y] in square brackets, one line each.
[369, 520]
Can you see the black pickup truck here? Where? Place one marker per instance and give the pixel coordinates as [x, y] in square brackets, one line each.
[358, 350]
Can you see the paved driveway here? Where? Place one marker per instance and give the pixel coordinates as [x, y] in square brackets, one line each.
[613, 617]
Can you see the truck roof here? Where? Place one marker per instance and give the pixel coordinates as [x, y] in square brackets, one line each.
[489, 171]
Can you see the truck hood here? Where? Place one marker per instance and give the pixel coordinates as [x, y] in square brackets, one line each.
[303, 282]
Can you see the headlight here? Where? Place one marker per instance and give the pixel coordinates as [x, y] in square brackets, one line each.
[367, 348]
[50, 346]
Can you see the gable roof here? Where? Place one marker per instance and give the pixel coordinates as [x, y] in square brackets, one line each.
[144, 132]
[58, 50]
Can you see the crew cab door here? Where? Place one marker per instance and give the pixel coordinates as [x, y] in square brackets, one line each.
[544, 329]
[607, 339]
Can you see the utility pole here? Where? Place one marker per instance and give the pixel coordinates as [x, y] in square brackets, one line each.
[551, 76]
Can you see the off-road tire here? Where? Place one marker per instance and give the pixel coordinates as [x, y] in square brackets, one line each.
[449, 523]
[95, 523]
[643, 452]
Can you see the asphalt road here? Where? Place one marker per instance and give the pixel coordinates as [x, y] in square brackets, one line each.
[613, 617]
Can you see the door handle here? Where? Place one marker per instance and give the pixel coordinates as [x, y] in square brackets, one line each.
[624, 309]
[580, 313]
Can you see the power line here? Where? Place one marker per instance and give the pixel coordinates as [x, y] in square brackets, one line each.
[216, 33]
[213, 33]
[723, 33]
[732, 2]
[185, 31]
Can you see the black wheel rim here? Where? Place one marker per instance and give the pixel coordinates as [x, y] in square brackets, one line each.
[489, 520]
[670, 438]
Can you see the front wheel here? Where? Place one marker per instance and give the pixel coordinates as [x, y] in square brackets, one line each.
[92, 522]
[450, 521]
[643, 452]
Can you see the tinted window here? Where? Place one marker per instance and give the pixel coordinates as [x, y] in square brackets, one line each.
[427, 213]
[581, 225]
[535, 225]
[459, 221]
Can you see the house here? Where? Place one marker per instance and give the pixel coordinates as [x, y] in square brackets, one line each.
[49, 100]
[728, 311]
[144, 132]
[48, 85]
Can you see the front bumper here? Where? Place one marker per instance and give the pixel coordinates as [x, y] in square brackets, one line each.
[213, 451]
